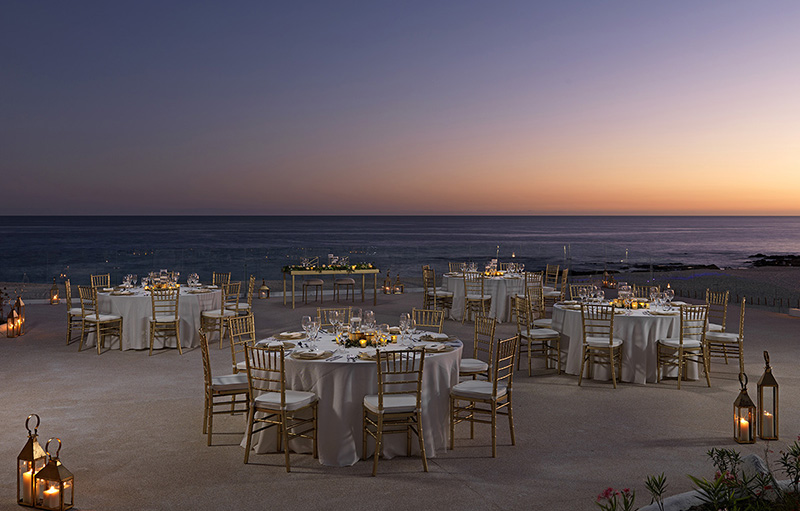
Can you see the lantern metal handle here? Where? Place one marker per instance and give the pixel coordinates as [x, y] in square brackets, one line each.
[743, 380]
[47, 448]
[766, 358]
[35, 428]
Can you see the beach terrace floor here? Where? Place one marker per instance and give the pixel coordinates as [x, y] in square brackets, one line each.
[131, 428]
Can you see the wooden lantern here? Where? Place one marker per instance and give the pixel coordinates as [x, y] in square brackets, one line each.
[12, 323]
[263, 291]
[767, 403]
[54, 484]
[54, 298]
[30, 460]
[744, 415]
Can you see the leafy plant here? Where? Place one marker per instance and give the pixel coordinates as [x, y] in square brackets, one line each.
[616, 500]
[657, 486]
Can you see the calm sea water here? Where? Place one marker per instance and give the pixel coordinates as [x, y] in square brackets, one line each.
[36, 249]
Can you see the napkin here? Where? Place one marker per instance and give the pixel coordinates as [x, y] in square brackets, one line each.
[275, 344]
[436, 348]
[293, 335]
[433, 336]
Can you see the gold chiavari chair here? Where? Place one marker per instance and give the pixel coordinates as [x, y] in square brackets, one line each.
[230, 391]
[165, 318]
[483, 346]
[217, 320]
[324, 315]
[102, 325]
[241, 333]
[538, 342]
[557, 295]
[455, 267]
[689, 346]
[531, 279]
[551, 277]
[74, 314]
[246, 306]
[101, 280]
[428, 318]
[486, 398]
[475, 299]
[397, 407]
[278, 406]
[724, 344]
[434, 298]
[599, 343]
[575, 290]
[717, 310]
[220, 279]
[643, 290]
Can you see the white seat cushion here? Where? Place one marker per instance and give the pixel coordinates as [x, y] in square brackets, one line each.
[229, 382]
[217, 314]
[342, 281]
[552, 294]
[75, 311]
[477, 297]
[395, 403]
[548, 289]
[441, 293]
[602, 342]
[477, 389]
[242, 307]
[241, 366]
[543, 323]
[722, 337]
[541, 333]
[675, 342]
[295, 399]
[713, 327]
[473, 365]
[164, 319]
[102, 318]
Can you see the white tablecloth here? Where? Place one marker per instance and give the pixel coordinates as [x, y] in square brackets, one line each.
[136, 310]
[341, 386]
[499, 288]
[639, 331]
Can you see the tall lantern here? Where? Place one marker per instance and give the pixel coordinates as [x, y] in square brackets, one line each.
[263, 291]
[54, 484]
[744, 415]
[767, 403]
[19, 305]
[399, 288]
[387, 284]
[30, 460]
[12, 323]
[54, 299]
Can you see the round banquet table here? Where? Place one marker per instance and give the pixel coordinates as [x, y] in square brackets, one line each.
[136, 310]
[639, 331]
[341, 385]
[501, 289]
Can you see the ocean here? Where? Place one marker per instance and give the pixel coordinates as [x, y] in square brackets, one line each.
[39, 248]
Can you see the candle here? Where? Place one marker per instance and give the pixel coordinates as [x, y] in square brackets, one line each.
[363, 342]
[744, 429]
[27, 478]
[52, 498]
[768, 425]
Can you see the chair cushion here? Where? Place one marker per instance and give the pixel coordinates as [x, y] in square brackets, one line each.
[477, 297]
[543, 323]
[675, 342]
[217, 314]
[295, 399]
[713, 327]
[548, 289]
[241, 366]
[473, 365]
[541, 333]
[75, 311]
[722, 337]
[394, 403]
[164, 319]
[477, 389]
[242, 307]
[229, 382]
[345, 281]
[103, 317]
[552, 294]
[313, 282]
[602, 342]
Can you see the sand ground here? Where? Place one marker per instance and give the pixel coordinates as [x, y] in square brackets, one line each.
[131, 428]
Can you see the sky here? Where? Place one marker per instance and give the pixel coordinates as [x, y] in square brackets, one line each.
[400, 107]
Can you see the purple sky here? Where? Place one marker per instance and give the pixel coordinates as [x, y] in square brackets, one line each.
[400, 107]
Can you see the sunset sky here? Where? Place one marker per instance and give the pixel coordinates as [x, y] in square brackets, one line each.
[400, 107]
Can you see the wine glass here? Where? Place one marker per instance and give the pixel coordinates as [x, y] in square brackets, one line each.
[582, 294]
[384, 333]
[306, 323]
[134, 280]
[369, 320]
[405, 319]
[333, 318]
[315, 324]
[601, 295]
[669, 294]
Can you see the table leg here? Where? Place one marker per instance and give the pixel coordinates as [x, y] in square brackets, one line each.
[363, 283]
[375, 289]
[284, 288]
[292, 291]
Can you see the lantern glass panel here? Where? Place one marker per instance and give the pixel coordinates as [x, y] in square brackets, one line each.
[25, 473]
[744, 424]
[769, 413]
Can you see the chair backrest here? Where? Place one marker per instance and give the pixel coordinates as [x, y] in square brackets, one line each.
[642, 290]
[428, 318]
[575, 290]
[428, 278]
[741, 319]
[230, 296]
[88, 296]
[473, 283]
[165, 302]
[68, 292]
[503, 369]
[324, 315]
[265, 370]
[598, 321]
[693, 322]
[502, 266]
[400, 372]
[717, 307]
[484, 338]
[220, 279]
[535, 296]
[564, 286]
[251, 286]
[534, 278]
[455, 266]
[551, 275]
[101, 280]
[206, 358]
[241, 332]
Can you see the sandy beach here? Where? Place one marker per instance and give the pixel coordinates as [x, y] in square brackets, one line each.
[131, 427]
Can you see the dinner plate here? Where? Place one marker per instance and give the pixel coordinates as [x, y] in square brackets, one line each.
[121, 293]
[665, 313]
[283, 336]
[368, 355]
[438, 348]
[286, 344]
[434, 336]
[311, 355]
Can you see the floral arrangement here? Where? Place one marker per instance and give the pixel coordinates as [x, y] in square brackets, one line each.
[361, 340]
[329, 267]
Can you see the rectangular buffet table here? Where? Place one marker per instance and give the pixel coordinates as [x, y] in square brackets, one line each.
[369, 271]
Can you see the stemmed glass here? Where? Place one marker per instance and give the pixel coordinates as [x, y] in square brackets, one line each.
[405, 319]
[134, 280]
[333, 317]
[669, 294]
[600, 295]
[315, 324]
[369, 320]
[582, 292]
[384, 333]
[306, 323]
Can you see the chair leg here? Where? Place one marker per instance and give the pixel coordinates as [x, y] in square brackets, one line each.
[611, 362]
[364, 433]
[178, 337]
[285, 432]
[378, 445]
[210, 419]
[314, 411]
[250, 418]
[205, 415]
[494, 430]
[421, 437]
[583, 365]
[152, 337]
[511, 422]
[452, 422]
[680, 367]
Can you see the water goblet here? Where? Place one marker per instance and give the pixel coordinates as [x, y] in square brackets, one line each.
[405, 319]
[306, 324]
[601, 295]
[355, 323]
[383, 329]
[315, 324]
[669, 294]
[369, 319]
